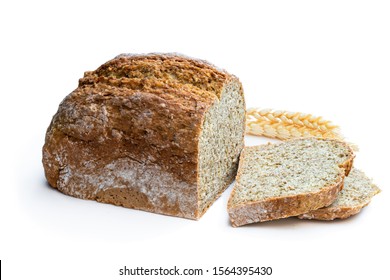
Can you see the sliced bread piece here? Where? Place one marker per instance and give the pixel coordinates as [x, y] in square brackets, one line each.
[288, 179]
[356, 194]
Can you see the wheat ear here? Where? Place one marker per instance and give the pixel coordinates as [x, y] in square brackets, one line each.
[287, 125]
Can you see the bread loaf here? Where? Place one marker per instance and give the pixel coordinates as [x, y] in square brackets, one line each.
[158, 132]
[288, 179]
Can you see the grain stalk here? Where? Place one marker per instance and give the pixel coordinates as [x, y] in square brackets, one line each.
[285, 125]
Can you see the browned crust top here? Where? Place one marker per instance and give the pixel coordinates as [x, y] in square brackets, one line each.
[172, 76]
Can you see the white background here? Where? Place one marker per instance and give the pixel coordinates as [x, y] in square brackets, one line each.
[329, 58]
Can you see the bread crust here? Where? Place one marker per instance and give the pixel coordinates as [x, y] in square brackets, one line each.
[287, 206]
[128, 134]
[332, 213]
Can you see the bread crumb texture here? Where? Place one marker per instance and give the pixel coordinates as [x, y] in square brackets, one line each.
[288, 168]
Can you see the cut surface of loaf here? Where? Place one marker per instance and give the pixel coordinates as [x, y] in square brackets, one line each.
[288, 179]
[356, 194]
[157, 132]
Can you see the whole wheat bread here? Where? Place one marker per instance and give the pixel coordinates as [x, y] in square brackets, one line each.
[158, 132]
[288, 179]
[356, 194]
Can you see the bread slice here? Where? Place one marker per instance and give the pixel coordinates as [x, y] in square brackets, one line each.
[356, 194]
[288, 179]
